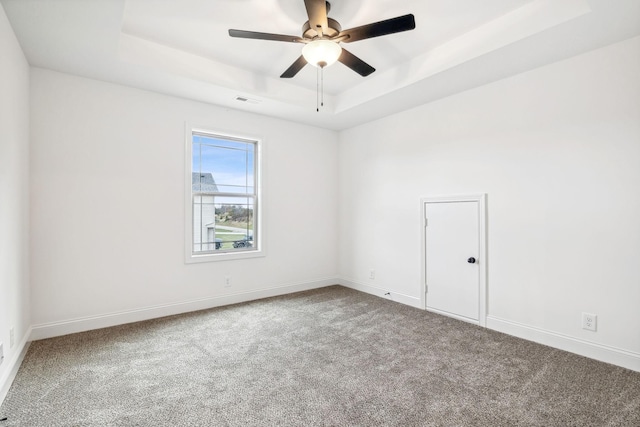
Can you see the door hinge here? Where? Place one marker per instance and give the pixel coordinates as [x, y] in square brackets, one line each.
[426, 222]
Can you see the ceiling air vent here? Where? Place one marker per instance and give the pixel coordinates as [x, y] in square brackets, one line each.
[248, 100]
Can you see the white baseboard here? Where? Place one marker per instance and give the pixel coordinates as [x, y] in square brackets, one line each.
[615, 356]
[13, 365]
[381, 292]
[71, 326]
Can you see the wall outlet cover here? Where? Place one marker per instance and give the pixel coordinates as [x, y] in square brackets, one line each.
[589, 321]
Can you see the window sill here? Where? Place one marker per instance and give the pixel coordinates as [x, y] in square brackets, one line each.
[225, 256]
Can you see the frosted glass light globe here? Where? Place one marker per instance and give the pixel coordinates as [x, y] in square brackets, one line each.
[321, 53]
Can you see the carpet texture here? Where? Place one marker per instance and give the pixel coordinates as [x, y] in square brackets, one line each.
[328, 357]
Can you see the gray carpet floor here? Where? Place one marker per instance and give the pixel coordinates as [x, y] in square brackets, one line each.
[328, 357]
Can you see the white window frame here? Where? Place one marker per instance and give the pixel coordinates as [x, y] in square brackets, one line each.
[259, 248]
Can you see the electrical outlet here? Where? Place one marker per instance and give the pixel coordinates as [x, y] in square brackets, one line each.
[227, 281]
[589, 321]
[12, 338]
[1, 353]
[372, 274]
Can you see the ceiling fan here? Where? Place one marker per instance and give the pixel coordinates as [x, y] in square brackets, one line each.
[321, 36]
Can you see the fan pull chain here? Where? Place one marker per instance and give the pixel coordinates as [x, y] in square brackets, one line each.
[322, 87]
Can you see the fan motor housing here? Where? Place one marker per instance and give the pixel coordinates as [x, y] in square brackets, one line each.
[333, 29]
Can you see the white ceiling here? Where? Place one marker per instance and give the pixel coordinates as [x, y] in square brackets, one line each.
[182, 48]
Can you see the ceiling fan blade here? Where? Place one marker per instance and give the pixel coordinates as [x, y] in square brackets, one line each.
[265, 36]
[294, 68]
[382, 28]
[317, 12]
[355, 63]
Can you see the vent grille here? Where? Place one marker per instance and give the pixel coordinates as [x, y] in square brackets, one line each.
[247, 100]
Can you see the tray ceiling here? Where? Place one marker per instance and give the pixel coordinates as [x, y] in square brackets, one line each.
[182, 48]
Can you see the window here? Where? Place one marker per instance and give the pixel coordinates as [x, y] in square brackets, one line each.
[223, 197]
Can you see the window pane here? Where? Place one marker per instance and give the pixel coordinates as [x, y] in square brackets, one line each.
[223, 223]
[223, 166]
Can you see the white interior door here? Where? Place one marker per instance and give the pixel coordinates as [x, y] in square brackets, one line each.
[452, 249]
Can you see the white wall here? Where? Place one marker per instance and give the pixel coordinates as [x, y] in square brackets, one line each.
[107, 216]
[14, 197]
[557, 150]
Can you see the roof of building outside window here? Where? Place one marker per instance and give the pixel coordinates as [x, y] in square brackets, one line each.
[203, 182]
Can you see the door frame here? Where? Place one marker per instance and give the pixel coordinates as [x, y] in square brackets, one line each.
[481, 199]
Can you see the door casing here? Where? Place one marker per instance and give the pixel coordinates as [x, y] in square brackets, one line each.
[482, 255]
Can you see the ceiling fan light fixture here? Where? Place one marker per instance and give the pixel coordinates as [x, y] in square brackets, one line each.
[321, 53]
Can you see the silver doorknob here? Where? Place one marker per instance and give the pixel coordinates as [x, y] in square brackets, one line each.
[471, 260]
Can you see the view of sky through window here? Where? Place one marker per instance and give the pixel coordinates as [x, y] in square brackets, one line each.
[230, 163]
